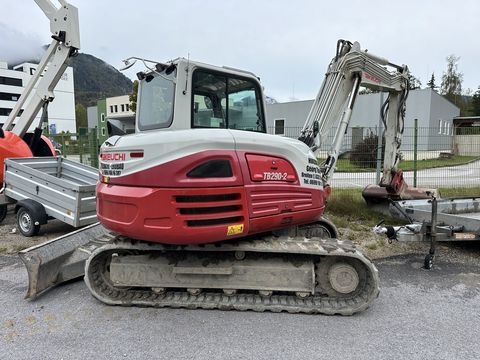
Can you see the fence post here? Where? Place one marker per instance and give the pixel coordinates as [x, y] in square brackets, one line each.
[379, 143]
[64, 147]
[94, 148]
[415, 148]
[80, 146]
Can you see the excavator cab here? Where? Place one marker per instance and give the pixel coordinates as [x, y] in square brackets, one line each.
[186, 95]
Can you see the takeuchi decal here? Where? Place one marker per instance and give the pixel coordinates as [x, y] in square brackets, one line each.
[113, 156]
[372, 78]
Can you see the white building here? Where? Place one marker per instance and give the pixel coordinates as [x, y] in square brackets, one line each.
[111, 116]
[119, 113]
[434, 114]
[61, 112]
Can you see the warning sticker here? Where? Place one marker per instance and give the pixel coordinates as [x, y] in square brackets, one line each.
[234, 229]
[465, 236]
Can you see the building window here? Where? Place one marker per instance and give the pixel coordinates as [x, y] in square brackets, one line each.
[116, 108]
[440, 126]
[9, 96]
[32, 71]
[103, 131]
[102, 117]
[6, 112]
[127, 107]
[279, 126]
[447, 128]
[4, 80]
[123, 107]
[111, 108]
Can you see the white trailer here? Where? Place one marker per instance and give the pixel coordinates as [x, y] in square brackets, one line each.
[433, 220]
[44, 188]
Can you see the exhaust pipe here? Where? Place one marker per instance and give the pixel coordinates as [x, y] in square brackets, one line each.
[61, 259]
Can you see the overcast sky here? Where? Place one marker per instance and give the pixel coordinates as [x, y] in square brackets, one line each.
[288, 44]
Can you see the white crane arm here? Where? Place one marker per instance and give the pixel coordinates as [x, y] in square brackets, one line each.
[66, 42]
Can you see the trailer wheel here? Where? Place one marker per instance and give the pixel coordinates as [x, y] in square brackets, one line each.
[3, 212]
[26, 223]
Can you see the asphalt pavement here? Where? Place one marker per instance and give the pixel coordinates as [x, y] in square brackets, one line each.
[420, 314]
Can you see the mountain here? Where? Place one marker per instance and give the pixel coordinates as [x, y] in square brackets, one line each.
[94, 79]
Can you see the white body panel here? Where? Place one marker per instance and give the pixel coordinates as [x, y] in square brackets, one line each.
[162, 146]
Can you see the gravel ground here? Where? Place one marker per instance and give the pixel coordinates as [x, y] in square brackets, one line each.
[372, 245]
[11, 241]
[419, 315]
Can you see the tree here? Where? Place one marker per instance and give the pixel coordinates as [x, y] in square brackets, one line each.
[133, 97]
[475, 103]
[431, 84]
[413, 82]
[81, 116]
[452, 79]
[364, 154]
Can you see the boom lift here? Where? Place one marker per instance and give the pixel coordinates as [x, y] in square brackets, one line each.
[15, 141]
[209, 211]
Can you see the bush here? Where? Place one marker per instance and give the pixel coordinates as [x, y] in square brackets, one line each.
[364, 154]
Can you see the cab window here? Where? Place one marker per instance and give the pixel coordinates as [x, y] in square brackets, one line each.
[221, 101]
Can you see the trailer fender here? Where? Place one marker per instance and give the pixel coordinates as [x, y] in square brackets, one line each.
[35, 208]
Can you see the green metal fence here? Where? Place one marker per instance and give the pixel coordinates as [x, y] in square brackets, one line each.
[430, 157]
[83, 148]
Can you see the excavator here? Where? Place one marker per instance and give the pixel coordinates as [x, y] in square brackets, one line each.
[201, 208]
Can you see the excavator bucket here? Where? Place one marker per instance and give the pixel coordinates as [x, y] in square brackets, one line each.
[61, 259]
[379, 199]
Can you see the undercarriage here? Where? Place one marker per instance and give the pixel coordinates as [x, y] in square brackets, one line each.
[295, 275]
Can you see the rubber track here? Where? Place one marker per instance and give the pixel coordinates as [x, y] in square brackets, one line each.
[314, 304]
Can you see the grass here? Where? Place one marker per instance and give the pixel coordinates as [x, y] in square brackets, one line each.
[347, 208]
[456, 160]
[344, 165]
[460, 192]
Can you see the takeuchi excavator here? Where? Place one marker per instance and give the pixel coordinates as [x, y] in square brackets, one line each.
[201, 208]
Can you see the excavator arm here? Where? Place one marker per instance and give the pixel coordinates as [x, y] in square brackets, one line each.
[350, 69]
[65, 43]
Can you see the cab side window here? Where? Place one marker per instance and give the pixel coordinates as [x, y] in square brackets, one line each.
[226, 102]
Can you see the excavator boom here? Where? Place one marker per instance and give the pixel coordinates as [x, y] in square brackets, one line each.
[350, 69]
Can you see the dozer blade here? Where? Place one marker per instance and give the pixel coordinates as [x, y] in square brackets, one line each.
[61, 259]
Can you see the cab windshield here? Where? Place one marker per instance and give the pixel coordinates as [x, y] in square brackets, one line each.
[226, 101]
[156, 98]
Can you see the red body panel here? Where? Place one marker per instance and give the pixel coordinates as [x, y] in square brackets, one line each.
[174, 173]
[12, 146]
[162, 204]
